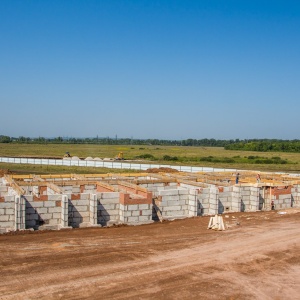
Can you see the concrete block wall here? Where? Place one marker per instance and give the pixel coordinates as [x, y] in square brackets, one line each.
[3, 191]
[283, 197]
[295, 196]
[208, 201]
[254, 199]
[154, 187]
[7, 212]
[79, 209]
[20, 213]
[224, 199]
[236, 201]
[93, 209]
[137, 210]
[42, 213]
[108, 206]
[174, 203]
[193, 202]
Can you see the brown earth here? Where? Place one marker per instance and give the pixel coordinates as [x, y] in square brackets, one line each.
[162, 169]
[256, 258]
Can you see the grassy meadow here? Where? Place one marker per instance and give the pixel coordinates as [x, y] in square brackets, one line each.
[174, 155]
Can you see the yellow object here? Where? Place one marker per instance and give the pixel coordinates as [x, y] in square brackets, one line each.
[67, 154]
[120, 156]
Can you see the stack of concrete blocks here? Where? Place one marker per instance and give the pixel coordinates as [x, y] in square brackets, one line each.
[46, 211]
[174, 203]
[135, 209]
[296, 196]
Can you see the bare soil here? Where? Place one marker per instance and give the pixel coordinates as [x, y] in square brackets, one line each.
[258, 257]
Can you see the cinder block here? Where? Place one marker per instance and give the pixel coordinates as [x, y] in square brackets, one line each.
[108, 195]
[173, 208]
[169, 193]
[183, 191]
[109, 201]
[132, 207]
[135, 213]
[144, 206]
[56, 216]
[147, 212]
[56, 209]
[7, 205]
[132, 219]
[9, 211]
[127, 214]
[82, 208]
[4, 218]
[107, 206]
[54, 221]
[85, 196]
[49, 203]
[46, 216]
[145, 218]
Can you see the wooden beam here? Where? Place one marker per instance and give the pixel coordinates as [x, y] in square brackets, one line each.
[14, 185]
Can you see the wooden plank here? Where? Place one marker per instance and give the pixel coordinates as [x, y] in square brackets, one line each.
[14, 185]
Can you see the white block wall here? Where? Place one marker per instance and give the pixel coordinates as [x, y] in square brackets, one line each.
[108, 207]
[7, 213]
[79, 210]
[296, 196]
[135, 213]
[174, 203]
[43, 213]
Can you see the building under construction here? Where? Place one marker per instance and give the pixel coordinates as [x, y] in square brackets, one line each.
[71, 200]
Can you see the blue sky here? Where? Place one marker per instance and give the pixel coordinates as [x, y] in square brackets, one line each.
[150, 69]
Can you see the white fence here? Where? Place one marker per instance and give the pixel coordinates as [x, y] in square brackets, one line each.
[106, 164]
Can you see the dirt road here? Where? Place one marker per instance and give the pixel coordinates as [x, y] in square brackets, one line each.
[256, 258]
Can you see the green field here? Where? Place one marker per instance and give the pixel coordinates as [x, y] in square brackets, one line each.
[174, 155]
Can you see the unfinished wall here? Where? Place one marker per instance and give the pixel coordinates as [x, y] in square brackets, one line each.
[173, 202]
[108, 208]
[295, 196]
[47, 205]
[46, 213]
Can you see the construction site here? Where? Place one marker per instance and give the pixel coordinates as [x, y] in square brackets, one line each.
[70, 236]
[71, 200]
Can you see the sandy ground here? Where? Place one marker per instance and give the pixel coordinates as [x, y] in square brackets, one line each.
[258, 257]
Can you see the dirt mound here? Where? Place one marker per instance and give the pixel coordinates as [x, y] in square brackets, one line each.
[162, 169]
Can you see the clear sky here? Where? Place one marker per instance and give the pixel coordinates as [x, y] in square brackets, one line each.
[150, 69]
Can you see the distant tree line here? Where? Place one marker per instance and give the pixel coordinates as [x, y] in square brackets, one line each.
[263, 145]
[116, 141]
